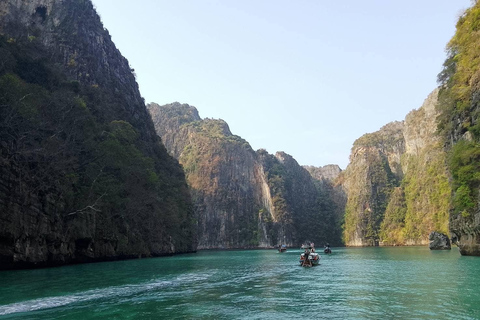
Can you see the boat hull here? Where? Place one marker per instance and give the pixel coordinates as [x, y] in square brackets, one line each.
[313, 259]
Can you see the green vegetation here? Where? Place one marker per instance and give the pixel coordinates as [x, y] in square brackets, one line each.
[330, 213]
[392, 227]
[421, 205]
[213, 160]
[427, 195]
[460, 108]
[464, 164]
[304, 209]
[401, 208]
[278, 181]
[68, 141]
[372, 184]
[417, 205]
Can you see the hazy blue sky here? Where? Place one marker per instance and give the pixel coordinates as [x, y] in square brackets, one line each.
[304, 77]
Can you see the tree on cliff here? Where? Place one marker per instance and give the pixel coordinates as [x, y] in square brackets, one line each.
[96, 187]
[459, 118]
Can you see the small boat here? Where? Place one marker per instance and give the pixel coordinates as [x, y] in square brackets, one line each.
[309, 258]
[282, 248]
[327, 249]
[312, 259]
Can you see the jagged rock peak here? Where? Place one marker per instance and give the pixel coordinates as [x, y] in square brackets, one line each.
[177, 114]
[285, 158]
[220, 124]
[421, 125]
[175, 110]
[74, 32]
[389, 141]
[329, 172]
[386, 137]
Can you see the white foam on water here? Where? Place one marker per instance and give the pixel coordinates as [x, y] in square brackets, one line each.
[60, 301]
[98, 294]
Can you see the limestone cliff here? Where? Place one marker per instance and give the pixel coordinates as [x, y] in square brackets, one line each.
[397, 182]
[459, 125]
[425, 184]
[439, 191]
[329, 182]
[224, 177]
[435, 178]
[298, 205]
[329, 172]
[83, 175]
[242, 198]
[374, 170]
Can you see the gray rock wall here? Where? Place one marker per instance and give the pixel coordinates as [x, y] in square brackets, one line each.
[37, 226]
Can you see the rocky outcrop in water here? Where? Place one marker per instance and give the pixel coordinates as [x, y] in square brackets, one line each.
[242, 198]
[83, 175]
[439, 241]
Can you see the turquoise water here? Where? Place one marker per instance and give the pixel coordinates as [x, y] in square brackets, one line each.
[351, 283]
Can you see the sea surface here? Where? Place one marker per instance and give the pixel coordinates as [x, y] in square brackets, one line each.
[351, 283]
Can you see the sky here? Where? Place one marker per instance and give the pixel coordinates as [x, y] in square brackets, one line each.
[307, 77]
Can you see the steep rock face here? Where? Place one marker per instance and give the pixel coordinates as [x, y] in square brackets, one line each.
[459, 125]
[280, 227]
[374, 170]
[242, 198]
[397, 182]
[329, 172]
[168, 121]
[75, 36]
[332, 198]
[425, 184]
[82, 169]
[300, 202]
[421, 126]
[224, 177]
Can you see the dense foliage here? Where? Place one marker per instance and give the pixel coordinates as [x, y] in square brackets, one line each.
[427, 195]
[331, 206]
[421, 204]
[304, 208]
[370, 184]
[460, 108]
[66, 141]
[392, 227]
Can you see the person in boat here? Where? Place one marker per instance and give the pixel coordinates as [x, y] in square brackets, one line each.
[307, 252]
[312, 246]
[306, 261]
[305, 255]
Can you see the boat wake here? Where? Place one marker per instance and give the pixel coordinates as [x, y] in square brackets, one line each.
[124, 291]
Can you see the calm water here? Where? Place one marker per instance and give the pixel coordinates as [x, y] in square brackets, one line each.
[361, 283]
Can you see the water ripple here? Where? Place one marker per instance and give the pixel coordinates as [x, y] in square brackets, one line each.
[368, 283]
